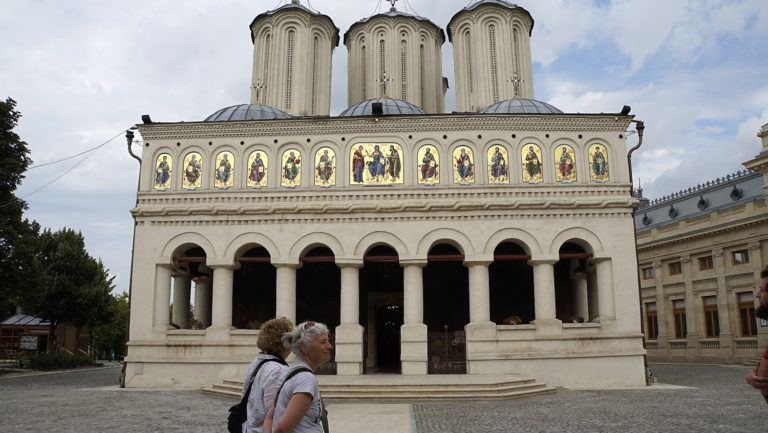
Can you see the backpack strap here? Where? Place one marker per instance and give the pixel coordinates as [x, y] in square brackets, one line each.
[244, 400]
[323, 412]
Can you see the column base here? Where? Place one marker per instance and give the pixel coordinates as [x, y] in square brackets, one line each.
[606, 323]
[413, 348]
[481, 340]
[548, 326]
[349, 350]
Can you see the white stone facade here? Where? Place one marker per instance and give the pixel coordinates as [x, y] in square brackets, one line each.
[410, 218]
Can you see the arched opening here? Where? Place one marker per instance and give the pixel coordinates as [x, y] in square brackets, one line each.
[253, 291]
[446, 309]
[511, 285]
[318, 295]
[189, 266]
[381, 309]
[572, 284]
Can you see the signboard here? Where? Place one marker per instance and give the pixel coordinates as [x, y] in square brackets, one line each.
[763, 323]
[28, 342]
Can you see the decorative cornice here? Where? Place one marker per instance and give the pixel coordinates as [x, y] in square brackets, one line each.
[429, 123]
[710, 231]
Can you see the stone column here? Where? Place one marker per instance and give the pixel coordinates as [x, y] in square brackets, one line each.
[694, 316]
[580, 295]
[413, 333]
[181, 294]
[663, 304]
[544, 296]
[723, 306]
[285, 285]
[203, 300]
[605, 290]
[480, 333]
[349, 333]
[221, 314]
[162, 297]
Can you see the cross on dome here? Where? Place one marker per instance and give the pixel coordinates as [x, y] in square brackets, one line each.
[516, 80]
[258, 87]
[384, 79]
[393, 3]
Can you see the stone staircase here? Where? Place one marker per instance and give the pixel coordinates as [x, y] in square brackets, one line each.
[387, 387]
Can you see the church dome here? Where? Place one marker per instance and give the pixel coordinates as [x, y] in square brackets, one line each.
[521, 106]
[247, 112]
[388, 106]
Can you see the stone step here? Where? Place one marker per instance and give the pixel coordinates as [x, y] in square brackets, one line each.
[407, 388]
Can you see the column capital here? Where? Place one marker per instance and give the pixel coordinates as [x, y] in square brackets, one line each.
[295, 264]
[543, 261]
[230, 266]
[202, 279]
[413, 262]
[349, 263]
[469, 263]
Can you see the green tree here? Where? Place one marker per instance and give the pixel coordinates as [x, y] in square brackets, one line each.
[109, 337]
[19, 267]
[76, 287]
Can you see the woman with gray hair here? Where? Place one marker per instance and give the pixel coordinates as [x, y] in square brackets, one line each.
[298, 407]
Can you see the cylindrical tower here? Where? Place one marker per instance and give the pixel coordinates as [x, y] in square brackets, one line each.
[398, 52]
[491, 54]
[292, 51]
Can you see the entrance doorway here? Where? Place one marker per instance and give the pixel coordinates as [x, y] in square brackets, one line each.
[381, 312]
[446, 310]
[318, 295]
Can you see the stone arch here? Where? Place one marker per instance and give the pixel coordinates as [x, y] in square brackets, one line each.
[580, 236]
[449, 236]
[245, 241]
[184, 240]
[380, 238]
[311, 240]
[521, 237]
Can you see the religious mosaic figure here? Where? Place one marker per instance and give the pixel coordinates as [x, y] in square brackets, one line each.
[371, 165]
[193, 170]
[429, 165]
[258, 169]
[564, 164]
[464, 172]
[497, 165]
[325, 167]
[163, 171]
[224, 170]
[291, 168]
[395, 165]
[532, 169]
[598, 163]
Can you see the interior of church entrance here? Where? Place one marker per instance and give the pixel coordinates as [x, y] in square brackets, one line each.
[253, 291]
[511, 286]
[381, 310]
[194, 313]
[318, 295]
[446, 309]
[575, 285]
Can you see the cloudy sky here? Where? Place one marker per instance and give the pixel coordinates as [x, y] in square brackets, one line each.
[82, 72]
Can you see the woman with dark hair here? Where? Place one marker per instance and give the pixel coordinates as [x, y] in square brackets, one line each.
[270, 364]
[298, 407]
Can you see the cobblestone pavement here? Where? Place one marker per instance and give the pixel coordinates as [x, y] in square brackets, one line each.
[710, 398]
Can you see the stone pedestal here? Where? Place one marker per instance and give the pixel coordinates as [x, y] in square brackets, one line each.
[413, 348]
[481, 340]
[548, 326]
[349, 350]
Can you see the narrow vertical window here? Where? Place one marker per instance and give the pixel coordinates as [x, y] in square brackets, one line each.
[403, 70]
[710, 316]
[468, 40]
[289, 70]
[747, 314]
[315, 46]
[494, 67]
[652, 327]
[681, 329]
[421, 77]
[267, 58]
[364, 72]
[382, 69]
[516, 47]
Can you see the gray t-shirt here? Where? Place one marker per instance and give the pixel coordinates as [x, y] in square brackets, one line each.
[303, 382]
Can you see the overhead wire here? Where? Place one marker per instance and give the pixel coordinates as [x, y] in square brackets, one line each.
[92, 152]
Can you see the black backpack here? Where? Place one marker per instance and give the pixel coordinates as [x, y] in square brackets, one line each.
[238, 413]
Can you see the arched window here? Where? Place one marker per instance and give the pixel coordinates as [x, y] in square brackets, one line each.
[468, 41]
[289, 69]
[494, 66]
[382, 69]
[315, 46]
[422, 77]
[267, 59]
[403, 70]
[364, 72]
[516, 48]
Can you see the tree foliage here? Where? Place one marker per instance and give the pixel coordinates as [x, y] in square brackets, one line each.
[110, 336]
[19, 266]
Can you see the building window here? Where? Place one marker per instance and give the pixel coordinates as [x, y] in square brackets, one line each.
[267, 67]
[710, 316]
[422, 75]
[468, 42]
[740, 257]
[315, 47]
[364, 72]
[516, 47]
[681, 329]
[404, 70]
[675, 268]
[289, 70]
[382, 67]
[705, 263]
[747, 314]
[494, 66]
[652, 322]
[648, 273]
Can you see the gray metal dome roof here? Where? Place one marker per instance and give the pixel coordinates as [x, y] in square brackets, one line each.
[521, 106]
[388, 106]
[247, 112]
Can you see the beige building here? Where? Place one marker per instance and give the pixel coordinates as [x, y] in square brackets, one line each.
[491, 242]
[700, 253]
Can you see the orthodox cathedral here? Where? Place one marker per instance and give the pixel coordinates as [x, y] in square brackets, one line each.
[496, 239]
